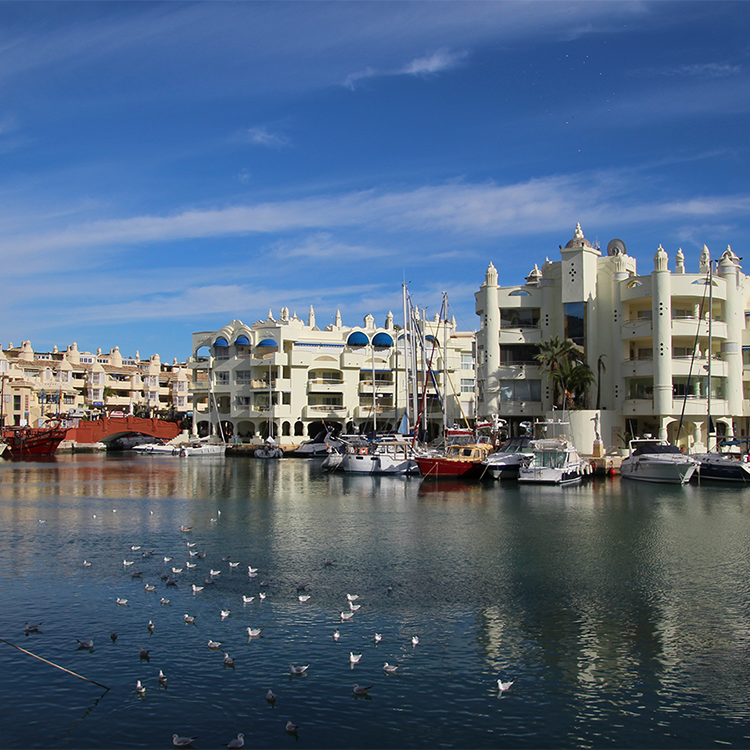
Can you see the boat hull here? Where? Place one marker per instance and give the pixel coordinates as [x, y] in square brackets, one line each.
[33, 441]
[648, 469]
[377, 464]
[549, 475]
[439, 467]
[722, 468]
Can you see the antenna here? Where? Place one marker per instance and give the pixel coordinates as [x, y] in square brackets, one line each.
[616, 247]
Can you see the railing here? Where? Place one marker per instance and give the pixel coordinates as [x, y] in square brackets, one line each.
[326, 381]
[504, 325]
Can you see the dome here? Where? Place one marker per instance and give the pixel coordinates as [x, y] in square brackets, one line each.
[268, 343]
[358, 339]
[242, 341]
[221, 341]
[578, 239]
[382, 339]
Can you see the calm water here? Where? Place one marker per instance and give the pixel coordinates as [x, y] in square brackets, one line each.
[619, 610]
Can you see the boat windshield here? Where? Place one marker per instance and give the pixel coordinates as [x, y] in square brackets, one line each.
[550, 459]
[655, 448]
[516, 445]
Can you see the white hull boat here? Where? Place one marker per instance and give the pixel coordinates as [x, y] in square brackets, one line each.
[554, 461]
[653, 460]
[382, 457]
[506, 463]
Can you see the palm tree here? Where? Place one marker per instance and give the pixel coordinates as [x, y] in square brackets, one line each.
[579, 380]
[556, 357]
[600, 368]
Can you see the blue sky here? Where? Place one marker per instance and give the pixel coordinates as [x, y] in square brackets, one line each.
[169, 167]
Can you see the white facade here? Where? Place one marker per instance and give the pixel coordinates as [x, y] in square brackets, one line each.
[646, 338]
[296, 377]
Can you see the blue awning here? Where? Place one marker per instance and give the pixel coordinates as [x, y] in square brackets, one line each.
[242, 341]
[221, 341]
[358, 339]
[268, 343]
[382, 339]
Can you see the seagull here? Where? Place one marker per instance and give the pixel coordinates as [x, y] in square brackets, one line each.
[192, 553]
[253, 632]
[304, 597]
[29, 628]
[225, 613]
[270, 697]
[171, 582]
[126, 563]
[136, 574]
[140, 689]
[503, 686]
[189, 565]
[190, 544]
[185, 529]
[377, 638]
[113, 636]
[354, 658]
[42, 520]
[190, 619]
[121, 602]
[239, 742]
[148, 588]
[167, 559]
[215, 644]
[297, 670]
[347, 615]
[352, 597]
[86, 564]
[200, 555]
[162, 678]
[164, 602]
[135, 547]
[213, 520]
[251, 570]
[178, 741]
[215, 573]
[196, 589]
[414, 640]
[354, 607]
[361, 690]
[228, 660]
[233, 565]
[390, 668]
[247, 599]
[89, 644]
[177, 570]
[291, 728]
[143, 654]
[328, 561]
[150, 626]
[262, 595]
[336, 635]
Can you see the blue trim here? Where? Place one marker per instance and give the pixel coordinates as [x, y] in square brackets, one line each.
[270, 343]
[382, 339]
[242, 341]
[358, 339]
[221, 341]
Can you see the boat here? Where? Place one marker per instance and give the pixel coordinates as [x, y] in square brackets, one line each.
[164, 449]
[655, 460]
[554, 461]
[506, 462]
[32, 441]
[269, 450]
[723, 467]
[458, 460]
[387, 455]
[318, 446]
[202, 448]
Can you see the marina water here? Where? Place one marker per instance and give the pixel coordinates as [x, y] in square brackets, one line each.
[619, 611]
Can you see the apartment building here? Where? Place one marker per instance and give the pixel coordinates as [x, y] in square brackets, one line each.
[290, 378]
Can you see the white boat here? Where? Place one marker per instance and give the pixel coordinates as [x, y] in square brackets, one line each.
[384, 456]
[269, 450]
[654, 460]
[505, 463]
[318, 446]
[723, 467]
[165, 449]
[554, 461]
[200, 448]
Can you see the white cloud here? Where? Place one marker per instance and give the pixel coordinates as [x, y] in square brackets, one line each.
[263, 137]
[435, 63]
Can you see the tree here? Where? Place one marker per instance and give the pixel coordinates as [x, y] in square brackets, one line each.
[553, 356]
[600, 368]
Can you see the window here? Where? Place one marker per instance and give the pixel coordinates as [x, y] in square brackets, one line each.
[640, 388]
[467, 362]
[16, 403]
[519, 317]
[746, 355]
[518, 354]
[520, 390]
[575, 322]
[467, 385]
[221, 378]
[244, 402]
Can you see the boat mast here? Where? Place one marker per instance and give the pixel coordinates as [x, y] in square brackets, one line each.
[710, 352]
[406, 357]
[445, 362]
[374, 394]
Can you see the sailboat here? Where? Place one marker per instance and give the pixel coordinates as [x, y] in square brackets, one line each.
[715, 465]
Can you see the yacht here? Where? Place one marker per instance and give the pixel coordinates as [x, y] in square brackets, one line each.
[387, 455]
[462, 461]
[654, 460]
[724, 467]
[506, 463]
[554, 458]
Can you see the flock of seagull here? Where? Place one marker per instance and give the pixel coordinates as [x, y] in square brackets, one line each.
[171, 578]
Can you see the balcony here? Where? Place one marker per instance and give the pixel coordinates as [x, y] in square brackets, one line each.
[323, 411]
[381, 386]
[322, 385]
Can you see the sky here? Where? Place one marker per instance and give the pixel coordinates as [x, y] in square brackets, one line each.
[170, 167]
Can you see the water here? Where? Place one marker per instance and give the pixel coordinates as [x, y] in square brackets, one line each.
[619, 610]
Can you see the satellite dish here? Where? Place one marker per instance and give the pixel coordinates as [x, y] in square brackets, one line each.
[616, 247]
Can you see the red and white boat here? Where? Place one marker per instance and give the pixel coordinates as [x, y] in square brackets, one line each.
[464, 461]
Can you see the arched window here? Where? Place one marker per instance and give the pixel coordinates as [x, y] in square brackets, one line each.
[299, 428]
[286, 429]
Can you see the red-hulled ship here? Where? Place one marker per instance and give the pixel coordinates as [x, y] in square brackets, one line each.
[32, 441]
[464, 461]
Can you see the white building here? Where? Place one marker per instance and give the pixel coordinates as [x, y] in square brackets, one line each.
[297, 377]
[645, 337]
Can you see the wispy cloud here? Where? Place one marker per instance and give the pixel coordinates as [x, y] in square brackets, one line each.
[261, 136]
[322, 245]
[437, 62]
[696, 70]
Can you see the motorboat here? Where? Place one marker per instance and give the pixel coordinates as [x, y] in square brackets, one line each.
[458, 461]
[163, 449]
[268, 450]
[32, 441]
[723, 467]
[506, 462]
[318, 446]
[387, 455]
[655, 460]
[554, 460]
[200, 448]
